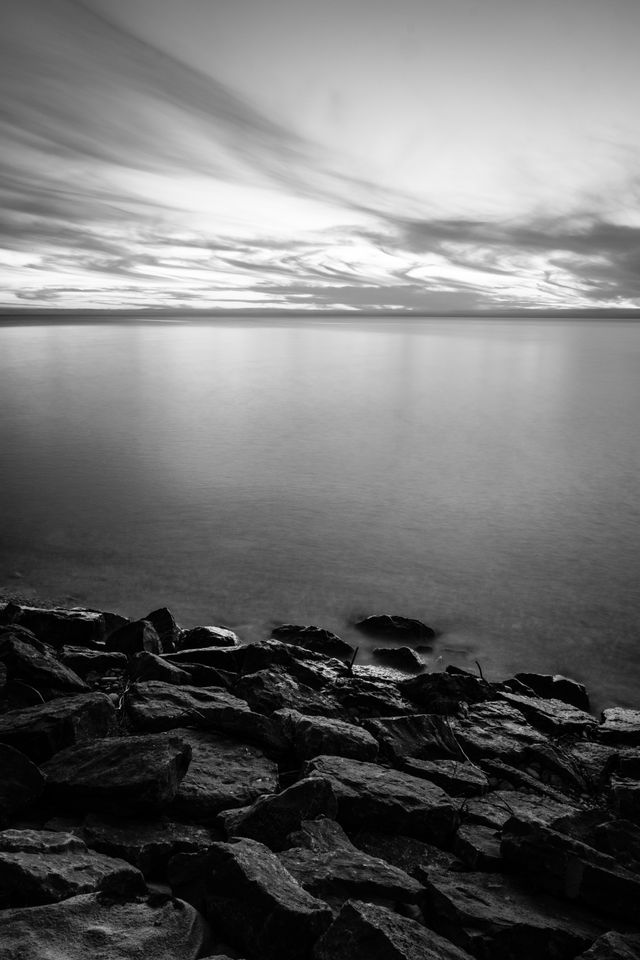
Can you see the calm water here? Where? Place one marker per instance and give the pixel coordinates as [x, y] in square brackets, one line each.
[483, 476]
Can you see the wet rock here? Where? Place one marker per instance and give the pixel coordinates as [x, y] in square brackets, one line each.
[306, 666]
[57, 627]
[595, 761]
[120, 775]
[552, 716]
[613, 946]
[146, 844]
[166, 627]
[496, 917]
[229, 659]
[494, 809]
[478, 847]
[556, 767]
[273, 817]
[504, 776]
[626, 797]
[321, 835]
[403, 658]
[42, 730]
[254, 901]
[208, 637]
[29, 660]
[134, 636]
[39, 866]
[88, 663]
[314, 638]
[98, 927]
[459, 778]
[363, 931]
[21, 782]
[413, 856]
[495, 731]
[361, 697]
[422, 736]
[155, 705]
[556, 687]
[223, 774]
[620, 727]
[384, 799]
[273, 689]
[149, 666]
[311, 736]
[444, 692]
[396, 628]
[567, 868]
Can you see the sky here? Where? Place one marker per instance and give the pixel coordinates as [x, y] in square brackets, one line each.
[365, 155]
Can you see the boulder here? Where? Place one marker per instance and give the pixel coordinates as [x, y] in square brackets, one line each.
[156, 705]
[423, 736]
[314, 638]
[459, 778]
[556, 687]
[134, 636]
[146, 843]
[595, 762]
[613, 946]
[44, 729]
[478, 847]
[88, 663]
[223, 774]
[311, 736]
[29, 660]
[271, 818]
[149, 666]
[504, 776]
[444, 692]
[21, 783]
[273, 689]
[229, 659]
[402, 658]
[413, 856]
[556, 767]
[361, 697]
[495, 808]
[620, 727]
[166, 627]
[313, 669]
[121, 775]
[57, 627]
[372, 796]
[552, 716]
[495, 917]
[364, 931]
[494, 731]
[320, 835]
[392, 627]
[618, 838]
[208, 637]
[98, 927]
[40, 866]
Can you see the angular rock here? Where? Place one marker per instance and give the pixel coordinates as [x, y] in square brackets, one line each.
[321, 835]
[478, 847]
[620, 727]
[149, 666]
[444, 692]
[556, 767]
[134, 636]
[166, 627]
[626, 798]
[314, 638]
[423, 736]
[121, 775]
[504, 776]
[364, 931]
[222, 658]
[96, 927]
[595, 761]
[208, 637]
[384, 799]
[223, 774]
[556, 687]
[31, 661]
[361, 697]
[459, 778]
[413, 856]
[403, 658]
[495, 917]
[613, 946]
[628, 763]
[311, 736]
[147, 844]
[21, 782]
[42, 730]
[495, 731]
[55, 626]
[396, 628]
[552, 716]
[40, 866]
[88, 663]
[273, 689]
[618, 838]
[306, 666]
[273, 817]
[567, 868]
[3, 676]
[495, 808]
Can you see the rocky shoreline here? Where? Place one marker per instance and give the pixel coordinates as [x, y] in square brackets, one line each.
[174, 794]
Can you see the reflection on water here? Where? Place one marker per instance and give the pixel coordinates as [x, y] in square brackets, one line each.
[479, 475]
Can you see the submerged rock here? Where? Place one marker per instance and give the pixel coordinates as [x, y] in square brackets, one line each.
[393, 627]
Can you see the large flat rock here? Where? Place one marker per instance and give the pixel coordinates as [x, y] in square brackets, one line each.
[494, 809]
[554, 717]
[495, 730]
[312, 736]
[57, 626]
[44, 729]
[620, 727]
[423, 736]
[29, 660]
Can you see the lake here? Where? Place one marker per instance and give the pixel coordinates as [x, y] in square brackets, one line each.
[483, 476]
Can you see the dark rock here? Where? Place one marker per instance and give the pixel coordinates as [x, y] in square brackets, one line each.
[39, 866]
[94, 926]
[613, 946]
[494, 809]
[57, 627]
[556, 687]
[149, 666]
[570, 869]
[21, 783]
[495, 917]
[29, 660]
[376, 797]
[361, 697]
[306, 666]
[3, 676]
[556, 767]
[423, 736]
[363, 931]
[42, 730]
[413, 856]
[494, 731]
[595, 761]
[311, 736]
[253, 900]
[478, 847]
[134, 636]
[625, 794]
[553, 716]
[403, 658]
[273, 689]
[504, 776]
[222, 775]
[445, 692]
[121, 775]
[314, 638]
[166, 627]
[273, 817]
[628, 763]
[200, 675]
[396, 628]
[459, 778]
[618, 838]
[88, 663]
[321, 835]
[620, 727]
[147, 844]
[208, 637]
[229, 659]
